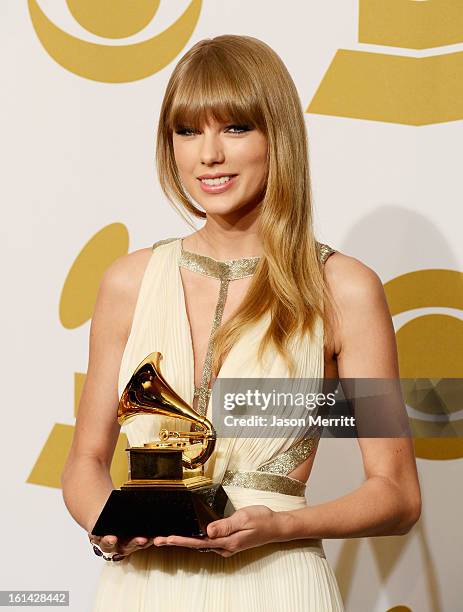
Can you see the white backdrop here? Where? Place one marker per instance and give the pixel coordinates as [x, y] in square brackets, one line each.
[77, 155]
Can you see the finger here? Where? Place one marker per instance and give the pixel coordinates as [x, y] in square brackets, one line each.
[223, 552]
[187, 542]
[225, 527]
[159, 541]
[131, 545]
[108, 543]
[139, 541]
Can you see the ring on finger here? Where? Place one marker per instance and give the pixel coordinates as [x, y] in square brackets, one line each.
[107, 557]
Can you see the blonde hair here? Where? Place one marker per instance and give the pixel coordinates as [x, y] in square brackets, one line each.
[240, 79]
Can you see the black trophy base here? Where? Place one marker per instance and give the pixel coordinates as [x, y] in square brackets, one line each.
[151, 511]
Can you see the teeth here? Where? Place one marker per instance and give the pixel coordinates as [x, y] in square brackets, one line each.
[216, 181]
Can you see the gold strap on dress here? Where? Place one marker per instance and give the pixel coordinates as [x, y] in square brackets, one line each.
[204, 391]
[324, 251]
[264, 481]
[288, 461]
[225, 271]
[231, 269]
[161, 242]
[301, 450]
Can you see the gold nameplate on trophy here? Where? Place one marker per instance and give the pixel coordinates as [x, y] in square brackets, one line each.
[167, 492]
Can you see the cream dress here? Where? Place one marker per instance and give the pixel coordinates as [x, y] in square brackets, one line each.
[282, 577]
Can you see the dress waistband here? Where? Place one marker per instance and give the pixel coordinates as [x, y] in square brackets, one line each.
[264, 481]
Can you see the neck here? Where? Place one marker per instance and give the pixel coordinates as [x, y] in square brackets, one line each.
[224, 241]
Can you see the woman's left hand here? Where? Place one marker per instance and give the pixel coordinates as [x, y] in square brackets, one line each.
[246, 528]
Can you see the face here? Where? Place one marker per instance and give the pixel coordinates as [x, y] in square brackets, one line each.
[237, 153]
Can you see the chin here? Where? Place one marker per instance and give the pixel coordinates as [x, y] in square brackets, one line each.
[222, 210]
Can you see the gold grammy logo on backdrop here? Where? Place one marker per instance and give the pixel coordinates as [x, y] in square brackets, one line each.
[77, 303]
[114, 19]
[396, 88]
[430, 346]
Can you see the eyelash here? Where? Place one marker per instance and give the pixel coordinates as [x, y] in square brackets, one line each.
[243, 128]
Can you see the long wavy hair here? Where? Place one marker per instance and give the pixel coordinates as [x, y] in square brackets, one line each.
[240, 79]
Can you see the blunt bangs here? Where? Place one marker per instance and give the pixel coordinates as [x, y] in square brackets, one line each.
[213, 88]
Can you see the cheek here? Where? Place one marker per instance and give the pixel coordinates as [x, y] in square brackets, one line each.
[254, 157]
[182, 157]
[256, 166]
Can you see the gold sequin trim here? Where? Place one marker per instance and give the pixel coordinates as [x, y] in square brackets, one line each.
[288, 461]
[264, 482]
[225, 271]
[198, 389]
[222, 270]
[324, 251]
[165, 241]
[204, 390]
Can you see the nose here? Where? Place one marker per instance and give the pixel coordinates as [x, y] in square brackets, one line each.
[211, 148]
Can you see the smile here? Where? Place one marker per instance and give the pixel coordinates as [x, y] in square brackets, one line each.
[216, 181]
[217, 185]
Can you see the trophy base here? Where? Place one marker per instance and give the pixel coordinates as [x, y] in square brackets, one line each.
[154, 511]
[193, 482]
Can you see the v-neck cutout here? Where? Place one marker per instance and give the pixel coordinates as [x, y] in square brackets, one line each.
[186, 321]
[223, 271]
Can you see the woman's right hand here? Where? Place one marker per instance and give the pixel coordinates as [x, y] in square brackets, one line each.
[121, 546]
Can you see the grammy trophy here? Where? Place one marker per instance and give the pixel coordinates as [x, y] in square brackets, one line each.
[167, 492]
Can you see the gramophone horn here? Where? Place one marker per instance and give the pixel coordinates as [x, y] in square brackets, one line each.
[147, 392]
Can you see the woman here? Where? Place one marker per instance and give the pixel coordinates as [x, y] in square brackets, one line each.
[232, 139]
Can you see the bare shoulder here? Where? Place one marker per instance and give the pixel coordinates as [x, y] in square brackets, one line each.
[362, 316]
[126, 272]
[121, 284]
[350, 281]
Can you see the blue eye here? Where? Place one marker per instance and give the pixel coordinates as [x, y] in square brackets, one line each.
[183, 131]
[240, 128]
[233, 129]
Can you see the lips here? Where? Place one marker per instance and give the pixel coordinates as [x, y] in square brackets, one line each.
[221, 187]
[213, 176]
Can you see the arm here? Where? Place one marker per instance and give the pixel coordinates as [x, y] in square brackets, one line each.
[388, 502]
[86, 480]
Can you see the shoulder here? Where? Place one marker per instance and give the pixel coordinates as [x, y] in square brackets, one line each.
[355, 297]
[359, 303]
[350, 280]
[126, 272]
[119, 289]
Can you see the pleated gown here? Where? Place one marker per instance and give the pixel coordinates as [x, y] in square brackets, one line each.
[286, 576]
